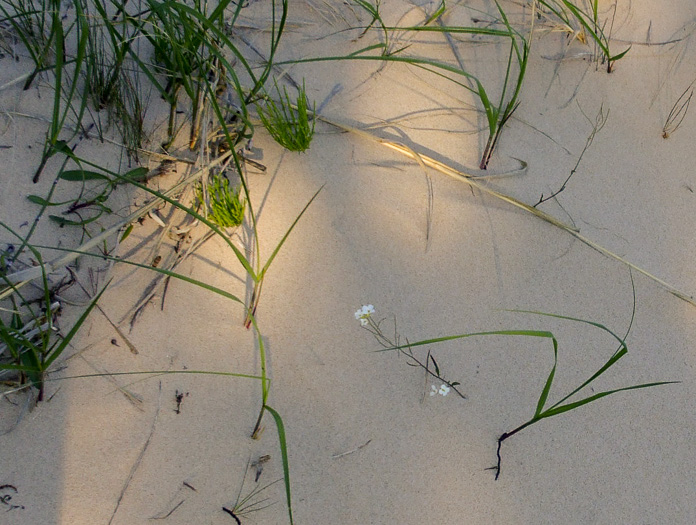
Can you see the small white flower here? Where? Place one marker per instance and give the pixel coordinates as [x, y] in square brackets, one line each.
[433, 390]
[444, 390]
[364, 313]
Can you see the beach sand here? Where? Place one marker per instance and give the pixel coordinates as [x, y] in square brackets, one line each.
[367, 444]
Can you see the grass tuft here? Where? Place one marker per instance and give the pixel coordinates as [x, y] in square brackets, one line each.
[225, 204]
[288, 123]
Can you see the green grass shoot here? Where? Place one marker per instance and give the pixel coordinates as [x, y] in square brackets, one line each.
[543, 410]
[288, 122]
[225, 206]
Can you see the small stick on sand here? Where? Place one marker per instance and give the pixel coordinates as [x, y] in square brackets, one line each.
[336, 456]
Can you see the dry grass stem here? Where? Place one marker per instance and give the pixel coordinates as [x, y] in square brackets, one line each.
[474, 183]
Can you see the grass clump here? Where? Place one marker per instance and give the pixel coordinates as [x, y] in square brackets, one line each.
[498, 112]
[32, 347]
[31, 22]
[286, 122]
[225, 204]
[570, 15]
[95, 60]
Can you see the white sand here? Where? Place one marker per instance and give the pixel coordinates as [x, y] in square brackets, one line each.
[625, 459]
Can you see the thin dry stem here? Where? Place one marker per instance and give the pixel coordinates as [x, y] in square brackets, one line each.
[471, 181]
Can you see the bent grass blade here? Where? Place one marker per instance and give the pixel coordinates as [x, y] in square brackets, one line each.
[560, 407]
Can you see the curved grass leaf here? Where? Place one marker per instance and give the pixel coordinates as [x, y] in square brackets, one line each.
[82, 175]
[162, 271]
[62, 221]
[570, 406]
[284, 454]
[43, 202]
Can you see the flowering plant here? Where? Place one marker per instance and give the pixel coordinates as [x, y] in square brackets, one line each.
[365, 315]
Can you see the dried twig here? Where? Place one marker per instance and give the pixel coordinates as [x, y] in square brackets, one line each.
[342, 454]
[600, 121]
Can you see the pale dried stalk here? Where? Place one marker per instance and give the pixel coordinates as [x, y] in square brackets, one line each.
[471, 181]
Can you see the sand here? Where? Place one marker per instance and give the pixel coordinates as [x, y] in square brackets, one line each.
[366, 443]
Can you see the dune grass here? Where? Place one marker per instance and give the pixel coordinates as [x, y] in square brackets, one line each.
[286, 122]
[33, 23]
[29, 358]
[563, 405]
[190, 42]
[498, 111]
[572, 15]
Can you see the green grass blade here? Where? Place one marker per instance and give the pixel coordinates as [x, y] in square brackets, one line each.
[527, 333]
[43, 202]
[575, 319]
[547, 387]
[367, 49]
[59, 66]
[620, 352]
[284, 455]
[162, 271]
[62, 221]
[612, 360]
[156, 373]
[570, 406]
[276, 33]
[452, 29]
[262, 361]
[65, 341]
[287, 233]
[414, 61]
[596, 32]
[557, 11]
[11, 339]
[619, 56]
[81, 175]
[437, 13]
[492, 112]
[26, 353]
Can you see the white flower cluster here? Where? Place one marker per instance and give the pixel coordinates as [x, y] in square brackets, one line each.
[443, 390]
[364, 313]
